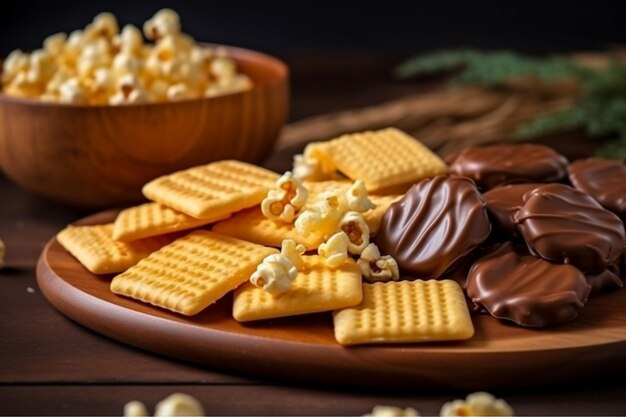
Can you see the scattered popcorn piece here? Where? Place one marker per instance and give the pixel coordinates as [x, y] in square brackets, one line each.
[321, 217]
[389, 411]
[275, 274]
[293, 252]
[2, 250]
[312, 166]
[477, 404]
[179, 405]
[135, 409]
[357, 198]
[355, 227]
[334, 251]
[285, 202]
[376, 268]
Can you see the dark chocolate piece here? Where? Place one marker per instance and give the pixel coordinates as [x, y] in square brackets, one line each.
[436, 223]
[564, 225]
[490, 166]
[606, 280]
[514, 285]
[502, 204]
[604, 180]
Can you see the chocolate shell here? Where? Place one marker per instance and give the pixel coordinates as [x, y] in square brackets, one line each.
[564, 225]
[514, 285]
[604, 180]
[502, 204]
[607, 280]
[490, 166]
[438, 222]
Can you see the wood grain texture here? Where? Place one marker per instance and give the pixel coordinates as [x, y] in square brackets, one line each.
[100, 156]
[303, 348]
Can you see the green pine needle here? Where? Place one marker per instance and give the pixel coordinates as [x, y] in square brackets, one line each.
[600, 110]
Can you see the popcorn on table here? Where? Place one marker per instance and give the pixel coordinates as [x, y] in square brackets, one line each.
[93, 65]
[377, 268]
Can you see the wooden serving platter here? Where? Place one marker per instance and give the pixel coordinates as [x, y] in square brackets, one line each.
[303, 348]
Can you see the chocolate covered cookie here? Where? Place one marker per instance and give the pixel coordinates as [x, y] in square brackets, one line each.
[514, 285]
[604, 180]
[490, 166]
[604, 281]
[436, 223]
[502, 204]
[564, 225]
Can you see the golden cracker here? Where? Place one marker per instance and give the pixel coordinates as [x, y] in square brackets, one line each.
[406, 311]
[383, 159]
[153, 219]
[191, 273]
[96, 250]
[317, 288]
[253, 226]
[213, 190]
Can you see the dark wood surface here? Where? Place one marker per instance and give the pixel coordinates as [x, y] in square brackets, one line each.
[50, 365]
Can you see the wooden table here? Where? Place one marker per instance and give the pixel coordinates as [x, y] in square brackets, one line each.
[51, 366]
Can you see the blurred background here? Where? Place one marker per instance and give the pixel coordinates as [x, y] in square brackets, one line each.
[345, 48]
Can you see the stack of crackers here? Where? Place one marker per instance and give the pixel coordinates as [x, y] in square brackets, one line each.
[203, 235]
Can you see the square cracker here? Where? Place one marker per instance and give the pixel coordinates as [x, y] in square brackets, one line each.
[251, 225]
[406, 311]
[153, 219]
[383, 159]
[213, 190]
[317, 288]
[96, 250]
[191, 273]
[373, 217]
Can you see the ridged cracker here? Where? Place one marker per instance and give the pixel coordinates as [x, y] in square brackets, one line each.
[383, 159]
[153, 219]
[96, 250]
[251, 225]
[213, 190]
[406, 311]
[317, 288]
[191, 273]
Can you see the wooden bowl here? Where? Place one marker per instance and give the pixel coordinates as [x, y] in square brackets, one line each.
[96, 156]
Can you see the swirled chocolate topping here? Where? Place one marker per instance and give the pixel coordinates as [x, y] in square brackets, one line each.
[436, 223]
[503, 202]
[490, 166]
[564, 225]
[513, 285]
[606, 280]
[604, 180]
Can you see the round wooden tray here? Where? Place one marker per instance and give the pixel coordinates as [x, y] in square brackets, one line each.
[303, 348]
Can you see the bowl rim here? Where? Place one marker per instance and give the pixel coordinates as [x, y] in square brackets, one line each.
[236, 51]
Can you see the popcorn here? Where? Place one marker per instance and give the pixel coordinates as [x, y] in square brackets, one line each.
[274, 274]
[179, 405]
[71, 91]
[357, 198]
[285, 202]
[355, 227]
[293, 252]
[477, 404]
[172, 68]
[389, 411]
[335, 250]
[312, 166]
[321, 218]
[376, 268]
[135, 409]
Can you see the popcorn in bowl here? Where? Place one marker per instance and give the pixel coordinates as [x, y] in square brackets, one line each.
[102, 64]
